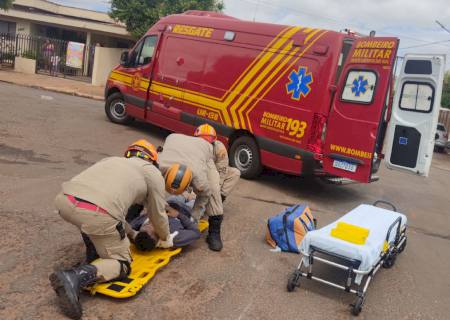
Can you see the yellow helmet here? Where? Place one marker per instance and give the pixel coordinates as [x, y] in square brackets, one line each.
[206, 132]
[178, 177]
[142, 149]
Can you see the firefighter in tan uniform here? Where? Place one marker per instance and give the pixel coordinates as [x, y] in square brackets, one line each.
[229, 176]
[197, 153]
[96, 202]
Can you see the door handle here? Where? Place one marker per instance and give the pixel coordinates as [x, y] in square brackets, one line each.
[180, 61]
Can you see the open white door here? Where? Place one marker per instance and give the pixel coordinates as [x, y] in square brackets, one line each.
[415, 112]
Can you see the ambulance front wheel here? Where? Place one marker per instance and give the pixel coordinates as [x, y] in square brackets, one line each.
[244, 155]
[116, 110]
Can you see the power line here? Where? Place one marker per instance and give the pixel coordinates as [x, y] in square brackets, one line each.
[423, 45]
[442, 26]
[299, 13]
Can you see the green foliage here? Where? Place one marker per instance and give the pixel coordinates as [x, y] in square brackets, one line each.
[6, 4]
[445, 102]
[139, 15]
[29, 54]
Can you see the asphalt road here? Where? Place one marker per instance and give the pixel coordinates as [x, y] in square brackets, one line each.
[46, 138]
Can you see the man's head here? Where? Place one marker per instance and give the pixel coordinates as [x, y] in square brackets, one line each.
[147, 238]
[178, 177]
[144, 150]
[144, 241]
[206, 132]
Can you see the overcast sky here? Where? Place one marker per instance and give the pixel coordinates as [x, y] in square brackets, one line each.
[413, 21]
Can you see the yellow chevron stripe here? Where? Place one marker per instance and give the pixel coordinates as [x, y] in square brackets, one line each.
[312, 34]
[251, 74]
[279, 77]
[255, 87]
[268, 47]
[266, 82]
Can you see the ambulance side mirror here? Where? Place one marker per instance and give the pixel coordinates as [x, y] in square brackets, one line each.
[124, 58]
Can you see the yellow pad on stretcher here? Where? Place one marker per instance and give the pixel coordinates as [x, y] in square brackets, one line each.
[350, 233]
[144, 266]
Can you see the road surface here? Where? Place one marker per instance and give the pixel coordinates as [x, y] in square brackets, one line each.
[46, 138]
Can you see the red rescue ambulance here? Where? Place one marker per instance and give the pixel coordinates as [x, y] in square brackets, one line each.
[295, 99]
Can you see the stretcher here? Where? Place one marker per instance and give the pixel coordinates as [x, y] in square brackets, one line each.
[144, 266]
[385, 239]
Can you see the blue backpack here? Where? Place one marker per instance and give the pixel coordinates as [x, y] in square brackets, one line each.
[287, 229]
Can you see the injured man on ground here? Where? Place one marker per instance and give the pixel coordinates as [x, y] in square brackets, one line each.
[181, 224]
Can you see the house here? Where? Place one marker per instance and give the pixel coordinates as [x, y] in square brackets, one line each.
[43, 18]
[62, 41]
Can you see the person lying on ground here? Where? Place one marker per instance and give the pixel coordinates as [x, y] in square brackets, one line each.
[180, 224]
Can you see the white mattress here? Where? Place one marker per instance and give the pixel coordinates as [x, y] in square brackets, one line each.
[377, 220]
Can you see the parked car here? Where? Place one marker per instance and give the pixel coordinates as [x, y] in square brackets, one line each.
[441, 138]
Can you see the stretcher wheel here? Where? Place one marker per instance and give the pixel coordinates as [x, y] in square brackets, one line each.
[402, 247]
[390, 260]
[293, 281]
[357, 306]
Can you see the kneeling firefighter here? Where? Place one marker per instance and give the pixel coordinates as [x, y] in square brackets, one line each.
[96, 202]
[197, 154]
[229, 176]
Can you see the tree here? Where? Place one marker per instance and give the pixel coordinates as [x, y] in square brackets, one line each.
[139, 15]
[445, 102]
[5, 4]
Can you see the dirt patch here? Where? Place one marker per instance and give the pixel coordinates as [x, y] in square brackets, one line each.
[14, 154]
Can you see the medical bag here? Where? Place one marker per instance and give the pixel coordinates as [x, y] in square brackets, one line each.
[287, 229]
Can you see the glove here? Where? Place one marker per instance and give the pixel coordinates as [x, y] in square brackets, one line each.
[168, 243]
[144, 242]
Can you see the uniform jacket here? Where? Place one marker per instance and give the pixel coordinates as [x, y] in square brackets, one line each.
[116, 183]
[197, 154]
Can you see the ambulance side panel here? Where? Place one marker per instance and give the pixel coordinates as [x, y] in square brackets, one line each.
[194, 78]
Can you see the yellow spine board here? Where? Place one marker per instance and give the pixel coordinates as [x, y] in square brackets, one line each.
[143, 268]
[350, 233]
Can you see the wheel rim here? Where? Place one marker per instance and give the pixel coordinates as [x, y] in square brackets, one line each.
[243, 158]
[118, 109]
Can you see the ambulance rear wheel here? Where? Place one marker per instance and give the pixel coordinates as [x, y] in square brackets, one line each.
[244, 155]
[116, 110]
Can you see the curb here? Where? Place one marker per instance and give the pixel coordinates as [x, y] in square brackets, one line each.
[58, 90]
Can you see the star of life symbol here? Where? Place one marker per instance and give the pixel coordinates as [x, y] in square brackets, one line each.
[299, 84]
[359, 86]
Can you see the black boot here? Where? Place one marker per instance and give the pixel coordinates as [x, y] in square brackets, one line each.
[213, 238]
[67, 285]
[91, 253]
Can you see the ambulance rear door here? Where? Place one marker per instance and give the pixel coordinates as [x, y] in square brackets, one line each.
[359, 107]
[415, 112]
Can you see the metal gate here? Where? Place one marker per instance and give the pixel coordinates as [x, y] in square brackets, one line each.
[53, 57]
[7, 49]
